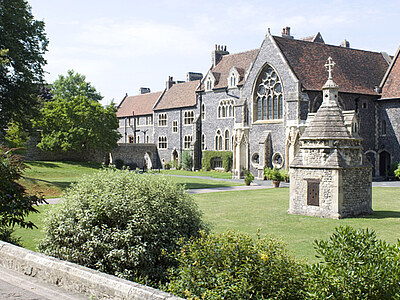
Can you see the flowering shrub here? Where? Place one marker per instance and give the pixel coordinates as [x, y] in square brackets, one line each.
[122, 223]
[235, 266]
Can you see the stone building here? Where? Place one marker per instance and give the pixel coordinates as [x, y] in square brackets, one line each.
[329, 176]
[255, 103]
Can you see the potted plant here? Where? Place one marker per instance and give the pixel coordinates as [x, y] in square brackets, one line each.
[276, 177]
[267, 172]
[248, 178]
[285, 175]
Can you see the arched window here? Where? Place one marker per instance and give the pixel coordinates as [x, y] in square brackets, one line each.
[383, 129]
[218, 140]
[232, 80]
[188, 118]
[203, 142]
[225, 109]
[268, 96]
[227, 140]
[203, 111]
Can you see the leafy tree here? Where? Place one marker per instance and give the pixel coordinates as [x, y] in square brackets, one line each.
[122, 223]
[15, 203]
[355, 265]
[26, 42]
[16, 136]
[77, 124]
[73, 85]
[187, 160]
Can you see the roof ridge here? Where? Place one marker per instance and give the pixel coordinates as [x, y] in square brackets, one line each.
[325, 44]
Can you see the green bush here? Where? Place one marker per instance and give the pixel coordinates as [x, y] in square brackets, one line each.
[167, 165]
[119, 163]
[235, 266]
[122, 223]
[226, 157]
[355, 265]
[187, 160]
[397, 172]
[248, 178]
[393, 167]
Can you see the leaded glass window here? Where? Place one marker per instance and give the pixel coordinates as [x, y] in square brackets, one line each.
[268, 96]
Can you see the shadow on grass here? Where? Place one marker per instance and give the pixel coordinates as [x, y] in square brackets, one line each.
[59, 184]
[383, 214]
[43, 164]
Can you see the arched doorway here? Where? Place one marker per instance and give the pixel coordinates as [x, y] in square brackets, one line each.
[175, 158]
[384, 163]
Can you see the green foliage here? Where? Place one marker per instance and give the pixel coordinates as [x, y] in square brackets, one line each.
[226, 159]
[122, 223]
[6, 235]
[397, 172]
[273, 174]
[15, 203]
[16, 136]
[355, 265]
[248, 177]
[21, 65]
[78, 124]
[167, 165]
[187, 160]
[119, 163]
[73, 85]
[234, 266]
[284, 175]
[393, 167]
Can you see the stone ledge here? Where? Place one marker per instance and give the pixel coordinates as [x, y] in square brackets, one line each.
[74, 277]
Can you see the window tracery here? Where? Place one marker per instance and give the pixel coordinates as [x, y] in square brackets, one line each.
[225, 109]
[218, 140]
[268, 96]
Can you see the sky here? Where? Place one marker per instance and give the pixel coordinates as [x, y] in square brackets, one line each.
[122, 45]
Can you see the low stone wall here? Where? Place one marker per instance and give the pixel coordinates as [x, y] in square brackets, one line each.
[73, 277]
[133, 155]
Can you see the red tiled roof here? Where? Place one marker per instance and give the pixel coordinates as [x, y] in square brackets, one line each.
[179, 95]
[139, 105]
[391, 84]
[240, 60]
[356, 71]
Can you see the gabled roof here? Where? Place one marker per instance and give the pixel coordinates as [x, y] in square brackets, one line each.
[179, 95]
[137, 105]
[241, 61]
[391, 82]
[317, 38]
[356, 71]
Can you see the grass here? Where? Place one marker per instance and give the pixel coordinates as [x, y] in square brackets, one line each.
[51, 178]
[267, 210]
[246, 211]
[198, 183]
[213, 174]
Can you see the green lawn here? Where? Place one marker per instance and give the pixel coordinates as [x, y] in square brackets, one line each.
[213, 174]
[51, 178]
[267, 209]
[247, 211]
[198, 183]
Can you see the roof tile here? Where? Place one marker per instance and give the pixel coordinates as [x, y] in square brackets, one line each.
[138, 105]
[179, 95]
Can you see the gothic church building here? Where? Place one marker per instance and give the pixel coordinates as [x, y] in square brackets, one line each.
[255, 104]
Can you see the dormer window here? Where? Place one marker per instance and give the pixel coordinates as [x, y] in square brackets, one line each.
[209, 84]
[233, 78]
[232, 82]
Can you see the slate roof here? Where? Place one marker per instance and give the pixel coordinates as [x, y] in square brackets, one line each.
[356, 71]
[139, 104]
[391, 82]
[241, 61]
[179, 95]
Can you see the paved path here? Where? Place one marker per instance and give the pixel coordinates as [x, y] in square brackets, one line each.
[15, 285]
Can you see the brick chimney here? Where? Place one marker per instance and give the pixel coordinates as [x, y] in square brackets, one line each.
[345, 44]
[192, 76]
[286, 32]
[170, 82]
[144, 90]
[217, 54]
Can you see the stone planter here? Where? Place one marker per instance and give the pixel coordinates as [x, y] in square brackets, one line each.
[276, 183]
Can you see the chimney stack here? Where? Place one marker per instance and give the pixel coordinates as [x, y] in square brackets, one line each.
[345, 44]
[286, 32]
[170, 82]
[192, 76]
[217, 54]
[144, 90]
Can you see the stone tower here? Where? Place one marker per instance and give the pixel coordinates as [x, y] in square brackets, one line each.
[329, 176]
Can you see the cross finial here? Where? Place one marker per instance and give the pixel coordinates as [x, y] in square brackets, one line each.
[329, 66]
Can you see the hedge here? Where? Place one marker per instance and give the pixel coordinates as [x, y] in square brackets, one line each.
[226, 159]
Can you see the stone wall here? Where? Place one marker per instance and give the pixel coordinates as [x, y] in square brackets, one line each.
[389, 111]
[133, 155]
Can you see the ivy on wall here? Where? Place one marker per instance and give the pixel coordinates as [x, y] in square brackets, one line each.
[226, 157]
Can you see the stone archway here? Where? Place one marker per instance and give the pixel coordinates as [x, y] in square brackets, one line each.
[384, 162]
[175, 157]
